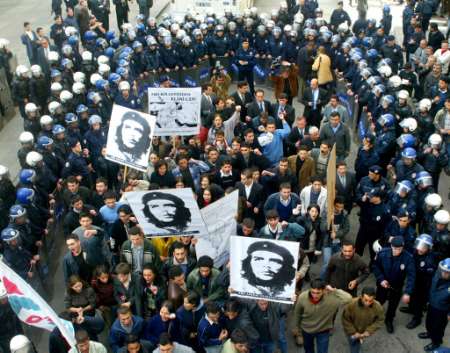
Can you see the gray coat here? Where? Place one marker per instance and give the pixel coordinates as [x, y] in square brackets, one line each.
[341, 137]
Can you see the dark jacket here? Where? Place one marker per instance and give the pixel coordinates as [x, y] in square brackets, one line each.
[132, 294]
[117, 335]
[341, 271]
[395, 269]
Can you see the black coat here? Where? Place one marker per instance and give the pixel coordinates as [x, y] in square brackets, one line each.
[253, 109]
[348, 190]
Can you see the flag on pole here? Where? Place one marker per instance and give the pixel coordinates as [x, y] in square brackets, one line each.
[30, 307]
[331, 186]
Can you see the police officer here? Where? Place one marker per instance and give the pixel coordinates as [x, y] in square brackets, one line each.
[30, 235]
[374, 180]
[385, 140]
[245, 61]
[441, 236]
[439, 307]
[433, 157]
[21, 344]
[126, 98]
[11, 325]
[51, 160]
[7, 189]
[77, 164]
[392, 266]
[394, 52]
[366, 157]
[20, 90]
[16, 256]
[26, 140]
[45, 178]
[400, 226]
[403, 197]
[426, 264]
[407, 168]
[95, 138]
[373, 219]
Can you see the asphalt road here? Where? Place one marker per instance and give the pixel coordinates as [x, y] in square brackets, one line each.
[12, 16]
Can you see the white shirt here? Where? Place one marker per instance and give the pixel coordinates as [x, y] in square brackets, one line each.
[248, 189]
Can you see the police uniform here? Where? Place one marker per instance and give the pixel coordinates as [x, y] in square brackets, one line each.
[438, 309]
[76, 165]
[395, 270]
[246, 71]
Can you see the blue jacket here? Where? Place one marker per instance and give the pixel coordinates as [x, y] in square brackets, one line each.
[273, 200]
[395, 270]
[169, 57]
[408, 234]
[18, 258]
[364, 160]
[95, 141]
[273, 151]
[155, 326]
[292, 232]
[366, 185]
[117, 335]
[395, 203]
[196, 168]
[405, 172]
[208, 334]
[219, 45]
[245, 55]
[189, 321]
[131, 102]
[75, 165]
[440, 293]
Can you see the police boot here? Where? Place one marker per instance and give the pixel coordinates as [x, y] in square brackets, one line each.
[413, 323]
[423, 335]
[406, 310]
[431, 347]
[389, 326]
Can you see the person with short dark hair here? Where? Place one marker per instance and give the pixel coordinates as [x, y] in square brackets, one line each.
[280, 230]
[336, 132]
[362, 318]
[127, 289]
[167, 345]
[153, 290]
[211, 330]
[346, 270]
[165, 321]
[314, 314]
[127, 324]
[204, 281]
[284, 201]
[180, 257]
[190, 314]
[302, 166]
[314, 194]
[84, 344]
[237, 343]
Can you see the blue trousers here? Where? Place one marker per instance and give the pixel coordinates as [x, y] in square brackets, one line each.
[321, 340]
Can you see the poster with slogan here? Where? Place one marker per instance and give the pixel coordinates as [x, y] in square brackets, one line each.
[220, 220]
[167, 212]
[263, 268]
[177, 110]
[129, 137]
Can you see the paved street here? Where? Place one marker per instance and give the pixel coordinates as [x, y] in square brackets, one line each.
[12, 16]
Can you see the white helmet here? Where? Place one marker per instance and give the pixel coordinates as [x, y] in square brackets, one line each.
[36, 70]
[435, 140]
[86, 55]
[343, 27]
[425, 104]
[385, 71]
[53, 56]
[4, 172]
[30, 108]
[65, 96]
[433, 200]
[53, 106]
[102, 59]
[94, 78]
[403, 94]
[78, 88]
[26, 137]
[394, 81]
[104, 69]
[20, 344]
[70, 31]
[3, 43]
[33, 158]
[409, 123]
[442, 217]
[124, 86]
[298, 18]
[79, 76]
[376, 246]
[46, 119]
[21, 70]
[56, 86]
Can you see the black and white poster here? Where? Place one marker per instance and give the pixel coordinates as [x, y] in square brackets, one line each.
[129, 137]
[177, 110]
[167, 212]
[263, 268]
[220, 220]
